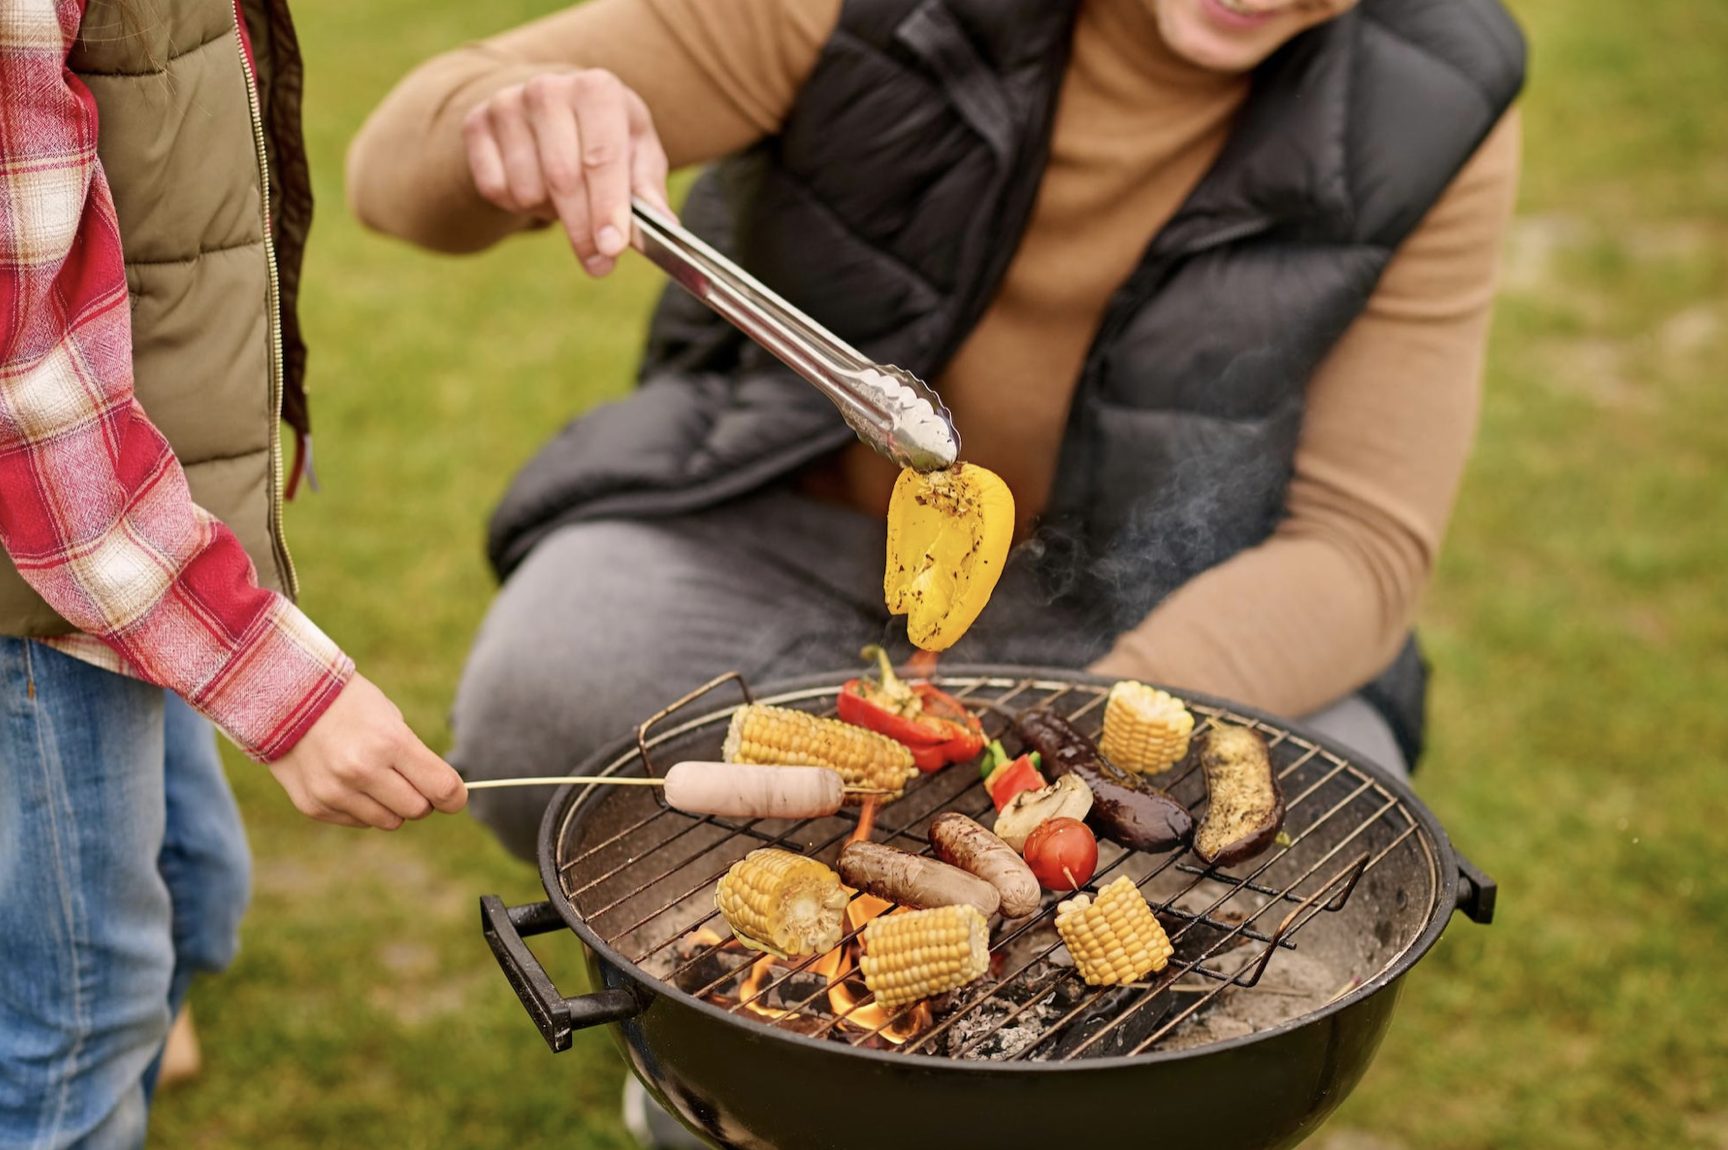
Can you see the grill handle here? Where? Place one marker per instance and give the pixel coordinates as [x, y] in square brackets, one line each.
[557, 1017]
[1476, 892]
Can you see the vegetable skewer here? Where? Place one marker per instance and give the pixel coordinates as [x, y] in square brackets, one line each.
[1124, 809]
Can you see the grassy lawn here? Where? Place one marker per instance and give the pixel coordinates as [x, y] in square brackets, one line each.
[1579, 625]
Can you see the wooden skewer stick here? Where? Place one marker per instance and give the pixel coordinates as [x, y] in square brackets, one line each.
[560, 780]
[615, 781]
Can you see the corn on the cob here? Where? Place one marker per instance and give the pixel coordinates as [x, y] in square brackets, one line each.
[1114, 939]
[1145, 730]
[782, 903]
[918, 953]
[782, 736]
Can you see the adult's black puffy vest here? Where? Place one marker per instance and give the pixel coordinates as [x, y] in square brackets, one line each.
[889, 207]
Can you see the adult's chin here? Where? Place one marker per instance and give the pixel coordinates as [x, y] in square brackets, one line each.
[1210, 35]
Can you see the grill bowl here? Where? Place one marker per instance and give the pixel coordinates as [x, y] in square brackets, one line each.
[645, 875]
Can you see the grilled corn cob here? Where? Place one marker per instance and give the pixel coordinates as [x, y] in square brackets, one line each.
[782, 736]
[1114, 939]
[917, 953]
[782, 903]
[1145, 730]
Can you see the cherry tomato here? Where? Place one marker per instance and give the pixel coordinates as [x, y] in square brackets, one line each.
[1062, 854]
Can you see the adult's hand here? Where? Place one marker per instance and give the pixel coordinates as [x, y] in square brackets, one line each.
[360, 766]
[571, 146]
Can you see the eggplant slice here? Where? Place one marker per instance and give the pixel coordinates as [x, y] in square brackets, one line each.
[1245, 808]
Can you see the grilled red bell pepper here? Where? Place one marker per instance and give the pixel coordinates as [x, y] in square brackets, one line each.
[935, 726]
[1004, 777]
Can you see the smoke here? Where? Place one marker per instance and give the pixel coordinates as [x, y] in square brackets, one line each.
[1161, 496]
[1219, 491]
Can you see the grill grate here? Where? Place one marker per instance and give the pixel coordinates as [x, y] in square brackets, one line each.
[647, 884]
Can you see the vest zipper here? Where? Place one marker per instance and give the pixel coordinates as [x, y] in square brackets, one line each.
[278, 542]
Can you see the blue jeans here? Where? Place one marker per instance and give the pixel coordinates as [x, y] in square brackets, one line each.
[123, 872]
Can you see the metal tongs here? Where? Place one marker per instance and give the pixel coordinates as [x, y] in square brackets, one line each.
[890, 408]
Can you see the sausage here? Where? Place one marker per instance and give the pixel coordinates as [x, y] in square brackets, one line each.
[1245, 808]
[1124, 809]
[913, 880]
[744, 790]
[965, 844]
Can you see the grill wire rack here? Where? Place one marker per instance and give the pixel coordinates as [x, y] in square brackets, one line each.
[643, 876]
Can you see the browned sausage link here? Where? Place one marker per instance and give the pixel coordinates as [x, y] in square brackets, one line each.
[913, 880]
[965, 844]
[1245, 807]
[1124, 809]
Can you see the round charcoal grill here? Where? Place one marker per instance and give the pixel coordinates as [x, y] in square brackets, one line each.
[1285, 975]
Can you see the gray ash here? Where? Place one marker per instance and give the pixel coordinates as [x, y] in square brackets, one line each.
[1018, 1021]
[1042, 1012]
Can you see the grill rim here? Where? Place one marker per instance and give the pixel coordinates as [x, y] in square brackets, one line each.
[1447, 874]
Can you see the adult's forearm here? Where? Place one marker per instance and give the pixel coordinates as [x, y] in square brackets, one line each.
[715, 75]
[1288, 627]
[1323, 605]
[408, 170]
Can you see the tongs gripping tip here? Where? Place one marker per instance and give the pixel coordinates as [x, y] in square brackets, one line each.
[890, 408]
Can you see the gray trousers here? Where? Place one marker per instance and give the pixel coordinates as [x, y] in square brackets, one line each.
[606, 622]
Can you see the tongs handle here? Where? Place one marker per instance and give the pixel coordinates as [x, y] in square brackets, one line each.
[890, 408]
[806, 346]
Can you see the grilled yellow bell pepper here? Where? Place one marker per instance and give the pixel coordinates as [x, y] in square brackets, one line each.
[948, 537]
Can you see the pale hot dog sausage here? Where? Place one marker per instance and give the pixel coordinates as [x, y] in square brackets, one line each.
[749, 791]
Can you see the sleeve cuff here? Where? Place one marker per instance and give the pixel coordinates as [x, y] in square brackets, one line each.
[281, 680]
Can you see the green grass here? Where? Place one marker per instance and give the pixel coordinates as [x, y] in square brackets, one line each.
[1579, 624]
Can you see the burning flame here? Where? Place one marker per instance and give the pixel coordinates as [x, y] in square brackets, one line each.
[751, 990]
[866, 821]
[837, 966]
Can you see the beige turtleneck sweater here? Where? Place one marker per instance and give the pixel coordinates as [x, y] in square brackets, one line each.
[1289, 625]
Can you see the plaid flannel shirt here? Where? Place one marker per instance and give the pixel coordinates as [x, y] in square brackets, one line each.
[94, 507]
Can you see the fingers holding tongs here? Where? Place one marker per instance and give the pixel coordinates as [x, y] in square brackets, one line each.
[890, 408]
